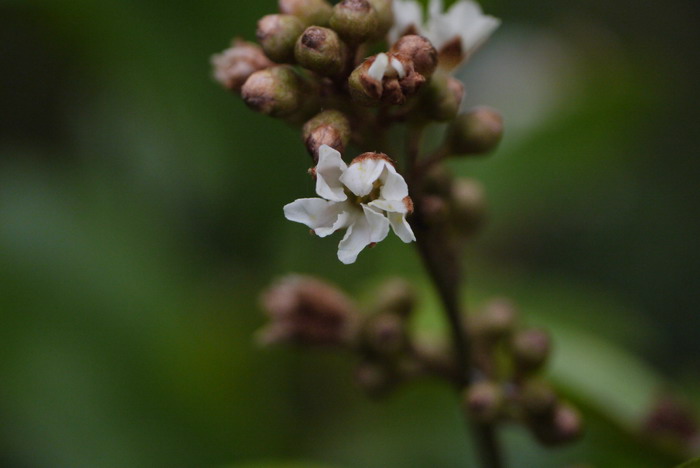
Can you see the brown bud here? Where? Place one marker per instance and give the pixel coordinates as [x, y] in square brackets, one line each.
[397, 296]
[355, 20]
[530, 349]
[565, 426]
[484, 401]
[385, 78]
[385, 334]
[330, 128]
[234, 65]
[468, 204]
[278, 34]
[276, 91]
[420, 50]
[306, 310]
[321, 50]
[476, 132]
[309, 12]
[495, 320]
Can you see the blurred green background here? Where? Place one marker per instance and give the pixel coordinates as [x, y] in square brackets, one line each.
[140, 214]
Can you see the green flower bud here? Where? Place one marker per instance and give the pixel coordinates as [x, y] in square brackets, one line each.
[321, 50]
[468, 203]
[420, 50]
[441, 99]
[495, 320]
[484, 401]
[476, 132]
[278, 34]
[397, 296]
[385, 14]
[355, 20]
[530, 349]
[309, 12]
[277, 91]
[233, 66]
[330, 128]
[565, 426]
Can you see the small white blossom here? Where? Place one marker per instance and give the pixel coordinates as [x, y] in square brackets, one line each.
[382, 64]
[365, 198]
[464, 20]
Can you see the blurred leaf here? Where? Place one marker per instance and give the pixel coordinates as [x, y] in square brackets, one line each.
[280, 464]
[694, 463]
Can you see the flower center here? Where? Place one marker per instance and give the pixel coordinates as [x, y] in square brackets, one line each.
[370, 197]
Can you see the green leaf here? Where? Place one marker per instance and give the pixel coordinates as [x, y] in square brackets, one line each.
[694, 463]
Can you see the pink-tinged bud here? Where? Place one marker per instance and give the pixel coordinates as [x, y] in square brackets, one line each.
[484, 401]
[564, 426]
[276, 91]
[530, 349]
[278, 34]
[420, 50]
[309, 12]
[496, 319]
[321, 50]
[396, 296]
[233, 66]
[476, 132]
[330, 128]
[385, 78]
[306, 310]
[468, 206]
[385, 14]
[356, 21]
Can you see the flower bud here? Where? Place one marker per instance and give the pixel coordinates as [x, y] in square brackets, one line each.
[468, 203]
[476, 132]
[309, 12]
[277, 91]
[278, 34]
[441, 99]
[434, 209]
[484, 401]
[305, 310]
[330, 128]
[385, 14]
[495, 320]
[355, 20]
[321, 50]
[538, 399]
[385, 334]
[438, 181]
[397, 296]
[420, 50]
[234, 65]
[530, 349]
[374, 379]
[385, 78]
[564, 426]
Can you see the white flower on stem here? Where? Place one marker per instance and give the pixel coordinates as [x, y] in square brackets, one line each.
[463, 25]
[366, 198]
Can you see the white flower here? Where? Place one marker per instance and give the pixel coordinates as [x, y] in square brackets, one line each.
[365, 198]
[464, 20]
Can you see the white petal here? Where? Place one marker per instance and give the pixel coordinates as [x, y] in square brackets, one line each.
[357, 237]
[391, 206]
[346, 216]
[407, 13]
[401, 227]
[394, 186]
[318, 214]
[398, 66]
[361, 175]
[378, 67]
[378, 224]
[328, 171]
[435, 8]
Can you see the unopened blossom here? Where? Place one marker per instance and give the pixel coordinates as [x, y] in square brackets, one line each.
[365, 198]
[463, 26]
[385, 78]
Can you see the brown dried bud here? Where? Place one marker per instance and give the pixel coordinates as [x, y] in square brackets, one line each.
[420, 50]
[530, 349]
[495, 320]
[468, 206]
[278, 34]
[355, 20]
[476, 132]
[385, 78]
[234, 65]
[484, 401]
[276, 91]
[309, 12]
[330, 128]
[565, 426]
[397, 296]
[321, 50]
[306, 310]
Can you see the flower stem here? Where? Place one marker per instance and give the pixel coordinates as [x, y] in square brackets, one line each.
[441, 259]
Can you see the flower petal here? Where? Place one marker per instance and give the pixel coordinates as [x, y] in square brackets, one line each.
[321, 215]
[378, 224]
[391, 206]
[473, 26]
[394, 186]
[378, 68]
[401, 227]
[357, 237]
[328, 171]
[407, 13]
[361, 175]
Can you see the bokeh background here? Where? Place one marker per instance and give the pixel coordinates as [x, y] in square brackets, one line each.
[140, 215]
